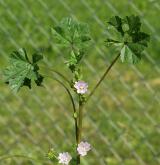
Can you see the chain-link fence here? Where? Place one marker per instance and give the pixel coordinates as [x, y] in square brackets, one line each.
[122, 120]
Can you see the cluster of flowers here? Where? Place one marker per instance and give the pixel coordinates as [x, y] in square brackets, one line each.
[82, 149]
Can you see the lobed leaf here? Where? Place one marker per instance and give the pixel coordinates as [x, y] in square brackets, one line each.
[132, 41]
[21, 71]
[75, 37]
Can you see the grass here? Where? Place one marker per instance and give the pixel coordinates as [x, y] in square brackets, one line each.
[121, 121]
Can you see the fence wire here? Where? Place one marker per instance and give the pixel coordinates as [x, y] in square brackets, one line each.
[122, 119]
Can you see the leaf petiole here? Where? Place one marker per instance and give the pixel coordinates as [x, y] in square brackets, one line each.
[103, 76]
[72, 100]
[56, 72]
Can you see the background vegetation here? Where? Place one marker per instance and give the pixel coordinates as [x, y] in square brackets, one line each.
[122, 120]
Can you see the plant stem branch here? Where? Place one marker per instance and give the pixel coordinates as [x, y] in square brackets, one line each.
[56, 72]
[74, 108]
[73, 104]
[80, 127]
[80, 122]
[103, 76]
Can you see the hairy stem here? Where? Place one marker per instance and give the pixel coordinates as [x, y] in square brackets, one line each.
[74, 108]
[80, 122]
[80, 117]
[80, 127]
[73, 105]
[56, 72]
[103, 76]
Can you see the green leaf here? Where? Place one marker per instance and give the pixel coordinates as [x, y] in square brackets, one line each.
[74, 36]
[127, 36]
[73, 161]
[36, 58]
[133, 22]
[128, 55]
[59, 37]
[116, 22]
[21, 71]
[51, 155]
[72, 62]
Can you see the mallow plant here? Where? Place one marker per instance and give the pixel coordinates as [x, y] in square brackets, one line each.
[74, 38]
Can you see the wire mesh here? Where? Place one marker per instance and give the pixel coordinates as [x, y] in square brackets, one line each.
[121, 121]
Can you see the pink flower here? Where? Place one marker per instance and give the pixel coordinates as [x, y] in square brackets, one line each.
[83, 148]
[64, 158]
[81, 87]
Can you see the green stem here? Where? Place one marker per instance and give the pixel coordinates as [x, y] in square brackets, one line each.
[58, 73]
[81, 104]
[80, 127]
[80, 122]
[103, 76]
[74, 108]
[73, 104]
